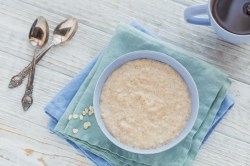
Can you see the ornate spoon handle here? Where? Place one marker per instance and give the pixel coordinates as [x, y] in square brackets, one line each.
[27, 99]
[18, 79]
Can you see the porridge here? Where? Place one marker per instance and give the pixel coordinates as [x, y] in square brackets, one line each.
[145, 104]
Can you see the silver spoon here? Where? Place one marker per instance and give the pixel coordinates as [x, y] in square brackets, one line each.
[62, 33]
[38, 37]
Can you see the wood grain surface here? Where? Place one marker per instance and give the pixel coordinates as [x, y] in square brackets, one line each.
[24, 138]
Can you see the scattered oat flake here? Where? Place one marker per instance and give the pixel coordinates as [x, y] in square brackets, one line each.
[91, 108]
[75, 131]
[84, 113]
[81, 117]
[91, 112]
[86, 110]
[70, 116]
[75, 116]
[86, 125]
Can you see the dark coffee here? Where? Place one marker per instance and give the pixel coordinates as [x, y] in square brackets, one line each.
[232, 15]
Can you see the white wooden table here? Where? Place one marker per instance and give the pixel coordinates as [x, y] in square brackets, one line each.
[24, 138]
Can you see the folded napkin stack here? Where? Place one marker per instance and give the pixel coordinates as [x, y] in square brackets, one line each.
[78, 94]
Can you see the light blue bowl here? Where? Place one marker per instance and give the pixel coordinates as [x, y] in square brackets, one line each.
[162, 58]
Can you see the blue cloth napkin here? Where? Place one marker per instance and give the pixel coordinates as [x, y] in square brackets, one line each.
[60, 102]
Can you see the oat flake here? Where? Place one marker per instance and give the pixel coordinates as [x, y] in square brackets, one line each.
[70, 117]
[75, 131]
[86, 125]
[75, 116]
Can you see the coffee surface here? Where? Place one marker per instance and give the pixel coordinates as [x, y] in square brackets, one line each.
[232, 15]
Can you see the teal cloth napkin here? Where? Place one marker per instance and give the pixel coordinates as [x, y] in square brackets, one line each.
[211, 83]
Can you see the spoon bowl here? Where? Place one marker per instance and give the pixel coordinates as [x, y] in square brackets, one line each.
[65, 31]
[39, 32]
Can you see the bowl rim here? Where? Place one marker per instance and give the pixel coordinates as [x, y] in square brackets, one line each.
[142, 54]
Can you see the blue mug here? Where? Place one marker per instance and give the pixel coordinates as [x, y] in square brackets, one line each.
[191, 15]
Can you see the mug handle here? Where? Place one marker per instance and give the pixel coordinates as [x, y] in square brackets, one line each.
[190, 14]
